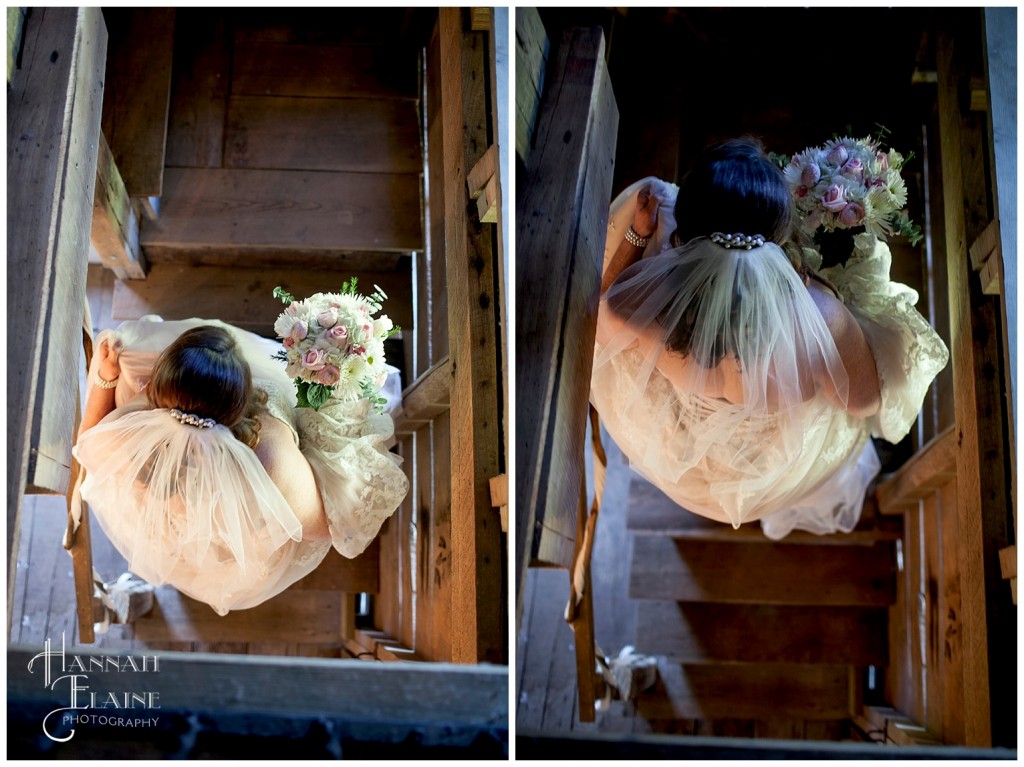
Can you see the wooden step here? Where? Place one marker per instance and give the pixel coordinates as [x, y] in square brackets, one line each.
[748, 691]
[734, 572]
[293, 616]
[651, 512]
[706, 633]
[244, 296]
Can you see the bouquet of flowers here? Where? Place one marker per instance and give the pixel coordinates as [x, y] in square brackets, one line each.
[333, 346]
[849, 183]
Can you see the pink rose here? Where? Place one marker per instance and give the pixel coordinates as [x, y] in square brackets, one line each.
[834, 198]
[367, 328]
[852, 215]
[810, 174]
[880, 181]
[883, 161]
[337, 334]
[328, 375]
[313, 359]
[838, 155]
[293, 308]
[357, 349]
[853, 168]
[289, 342]
[299, 330]
[327, 319]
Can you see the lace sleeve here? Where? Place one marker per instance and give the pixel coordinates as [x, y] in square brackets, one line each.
[908, 352]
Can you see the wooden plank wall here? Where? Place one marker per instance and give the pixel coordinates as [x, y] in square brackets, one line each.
[54, 114]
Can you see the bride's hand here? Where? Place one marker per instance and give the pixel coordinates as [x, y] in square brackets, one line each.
[110, 366]
[645, 218]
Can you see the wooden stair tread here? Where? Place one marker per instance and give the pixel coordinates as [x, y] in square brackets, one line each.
[293, 616]
[748, 691]
[685, 570]
[651, 512]
[707, 633]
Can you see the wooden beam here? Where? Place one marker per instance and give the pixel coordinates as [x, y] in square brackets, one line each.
[899, 729]
[53, 129]
[929, 469]
[986, 609]
[356, 135]
[242, 297]
[138, 82]
[386, 692]
[477, 572]
[561, 221]
[212, 208]
[115, 225]
[425, 398]
[984, 244]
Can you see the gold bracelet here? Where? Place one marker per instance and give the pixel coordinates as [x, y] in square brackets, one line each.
[635, 239]
[103, 383]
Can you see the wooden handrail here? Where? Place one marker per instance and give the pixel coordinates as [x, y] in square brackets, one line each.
[425, 398]
[932, 467]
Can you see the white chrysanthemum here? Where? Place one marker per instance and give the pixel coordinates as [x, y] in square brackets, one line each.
[897, 188]
[881, 201]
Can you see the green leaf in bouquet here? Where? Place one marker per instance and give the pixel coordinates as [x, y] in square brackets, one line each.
[284, 295]
[301, 400]
[317, 395]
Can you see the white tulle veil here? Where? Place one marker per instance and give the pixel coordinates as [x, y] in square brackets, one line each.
[715, 363]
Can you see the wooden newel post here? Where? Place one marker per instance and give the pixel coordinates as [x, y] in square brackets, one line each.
[561, 220]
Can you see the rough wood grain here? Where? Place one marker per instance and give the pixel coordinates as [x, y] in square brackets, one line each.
[138, 84]
[202, 73]
[423, 505]
[950, 613]
[436, 297]
[408, 544]
[272, 69]
[304, 210]
[472, 325]
[561, 220]
[705, 633]
[439, 566]
[242, 297]
[356, 135]
[706, 571]
[747, 690]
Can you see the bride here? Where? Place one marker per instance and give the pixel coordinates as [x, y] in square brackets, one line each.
[205, 476]
[733, 375]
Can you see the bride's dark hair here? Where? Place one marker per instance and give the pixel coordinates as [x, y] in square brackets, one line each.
[734, 187]
[203, 373]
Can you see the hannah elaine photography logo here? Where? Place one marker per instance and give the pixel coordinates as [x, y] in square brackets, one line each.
[90, 705]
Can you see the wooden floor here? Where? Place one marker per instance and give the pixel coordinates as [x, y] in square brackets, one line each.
[44, 602]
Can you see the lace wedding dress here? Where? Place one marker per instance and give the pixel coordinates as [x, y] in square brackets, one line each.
[194, 507]
[776, 455]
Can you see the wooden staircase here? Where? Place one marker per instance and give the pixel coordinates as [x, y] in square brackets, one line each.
[756, 637]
